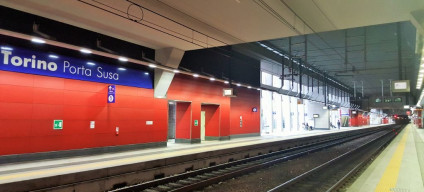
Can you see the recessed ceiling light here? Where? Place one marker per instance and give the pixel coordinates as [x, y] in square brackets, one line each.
[175, 71]
[37, 40]
[121, 69]
[238, 84]
[258, 89]
[195, 75]
[226, 82]
[124, 59]
[86, 51]
[212, 79]
[54, 56]
[7, 48]
[249, 87]
[152, 65]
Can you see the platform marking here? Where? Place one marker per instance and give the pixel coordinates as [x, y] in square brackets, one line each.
[389, 179]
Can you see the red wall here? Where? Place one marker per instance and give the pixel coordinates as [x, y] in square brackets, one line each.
[242, 106]
[198, 91]
[211, 120]
[358, 119]
[30, 103]
[183, 119]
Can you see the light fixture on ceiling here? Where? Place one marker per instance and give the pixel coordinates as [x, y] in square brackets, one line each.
[123, 59]
[6, 48]
[226, 82]
[151, 65]
[195, 75]
[146, 73]
[85, 51]
[38, 40]
[212, 79]
[175, 71]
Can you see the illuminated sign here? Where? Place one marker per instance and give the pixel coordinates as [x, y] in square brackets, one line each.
[228, 92]
[400, 86]
[38, 63]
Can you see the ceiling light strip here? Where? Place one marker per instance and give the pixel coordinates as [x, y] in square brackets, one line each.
[108, 55]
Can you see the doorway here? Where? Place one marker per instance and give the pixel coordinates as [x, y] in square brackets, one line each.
[172, 116]
[209, 122]
[202, 125]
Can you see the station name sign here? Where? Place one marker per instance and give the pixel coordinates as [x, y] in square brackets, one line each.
[32, 62]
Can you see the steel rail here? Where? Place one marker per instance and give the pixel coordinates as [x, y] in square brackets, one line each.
[207, 176]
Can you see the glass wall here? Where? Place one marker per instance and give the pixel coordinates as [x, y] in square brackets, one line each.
[282, 109]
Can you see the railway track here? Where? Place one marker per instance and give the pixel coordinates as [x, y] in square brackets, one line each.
[332, 175]
[198, 179]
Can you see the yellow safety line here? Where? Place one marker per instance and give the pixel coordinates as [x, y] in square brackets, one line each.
[390, 175]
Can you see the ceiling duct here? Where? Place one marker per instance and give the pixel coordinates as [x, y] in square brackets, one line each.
[36, 29]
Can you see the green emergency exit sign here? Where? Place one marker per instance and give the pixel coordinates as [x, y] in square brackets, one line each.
[196, 122]
[57, 124]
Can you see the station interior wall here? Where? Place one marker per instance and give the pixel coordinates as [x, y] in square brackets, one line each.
[201, 93]
[359, 119]
[316, 108]
[212, 114]
[29, 104]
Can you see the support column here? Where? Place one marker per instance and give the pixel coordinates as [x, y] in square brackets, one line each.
[170, 57]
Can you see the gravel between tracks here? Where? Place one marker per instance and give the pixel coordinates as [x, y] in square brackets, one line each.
[266, 179]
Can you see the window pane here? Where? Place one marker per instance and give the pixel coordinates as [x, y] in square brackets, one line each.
[276, 81]
[266, 78]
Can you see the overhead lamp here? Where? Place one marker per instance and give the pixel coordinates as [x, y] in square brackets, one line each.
[7, 48]
[54, 56]
[249, 87]
[123, 59]
[86, 51]
[175, 71]
[258, 89]
[90, 63]
[195, 75]
[121, 69]
[152, 65]
[226, 82]
[238, 84]
[146, 73]
[212, 79]
[38, 40]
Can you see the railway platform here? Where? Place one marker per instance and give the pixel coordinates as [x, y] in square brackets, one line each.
[400, 167]
[60, 170]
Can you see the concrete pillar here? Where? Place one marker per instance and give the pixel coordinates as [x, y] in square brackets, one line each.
[170, 57]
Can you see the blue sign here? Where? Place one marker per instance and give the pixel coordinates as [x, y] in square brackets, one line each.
[32, 62]
[111, 94]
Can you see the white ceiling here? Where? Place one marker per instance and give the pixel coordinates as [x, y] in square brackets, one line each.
[208, 23]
